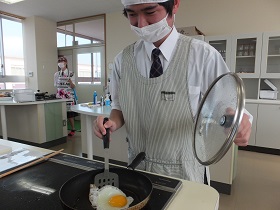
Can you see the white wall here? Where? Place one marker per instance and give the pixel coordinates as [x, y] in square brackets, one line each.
[46, 46]
[40, 53]
[217, 17]
[85, 92]
[213, 17]
[30, 60]
[118, 35]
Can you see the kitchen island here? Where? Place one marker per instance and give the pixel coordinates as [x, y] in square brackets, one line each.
[40, 123]
[222, 173]
[37, 187]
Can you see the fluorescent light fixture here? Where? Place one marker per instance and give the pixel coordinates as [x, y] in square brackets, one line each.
[10, 1]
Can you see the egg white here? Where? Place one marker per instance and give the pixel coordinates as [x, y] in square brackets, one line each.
[104, 195]
[93, 195]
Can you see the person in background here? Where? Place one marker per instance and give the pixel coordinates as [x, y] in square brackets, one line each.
[156, 87]
[64, 80]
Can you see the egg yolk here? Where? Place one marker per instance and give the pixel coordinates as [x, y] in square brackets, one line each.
[118, 201]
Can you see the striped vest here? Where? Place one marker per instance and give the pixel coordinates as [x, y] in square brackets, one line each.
[158, 116]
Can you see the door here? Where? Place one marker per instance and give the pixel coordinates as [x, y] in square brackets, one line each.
[90, 65]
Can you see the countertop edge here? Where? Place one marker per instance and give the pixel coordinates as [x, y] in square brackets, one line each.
[13, 103]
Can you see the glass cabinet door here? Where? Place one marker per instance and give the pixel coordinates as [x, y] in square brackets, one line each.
[246, 58]
[222, 45]
[271, 55]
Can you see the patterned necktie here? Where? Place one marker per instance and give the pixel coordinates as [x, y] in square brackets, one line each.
[156, 68]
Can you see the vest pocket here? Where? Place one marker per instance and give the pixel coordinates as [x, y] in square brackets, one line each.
[173, 170]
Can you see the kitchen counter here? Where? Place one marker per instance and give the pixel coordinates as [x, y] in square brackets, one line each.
[40, 118]
[13, 103]
[191, 196]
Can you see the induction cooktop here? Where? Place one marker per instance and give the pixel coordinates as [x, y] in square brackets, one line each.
[37, 187]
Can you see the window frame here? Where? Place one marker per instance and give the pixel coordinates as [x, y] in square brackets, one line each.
[74, 34]
[74, 49]
[3, 77]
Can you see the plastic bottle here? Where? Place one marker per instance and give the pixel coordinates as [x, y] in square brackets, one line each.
[94, 97]
[107, 100]
[101, 101]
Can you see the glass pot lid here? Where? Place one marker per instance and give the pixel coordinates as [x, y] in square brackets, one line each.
[218, 118]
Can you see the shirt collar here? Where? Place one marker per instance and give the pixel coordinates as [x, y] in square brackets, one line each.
[65, 72]
[166, 47]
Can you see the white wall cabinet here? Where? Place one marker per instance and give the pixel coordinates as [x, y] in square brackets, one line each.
[271, 55]
[223, 45]
[242, 53]
[268, 122]
[256, 57]
[246, 55]
[242, 56]
[246, 61]
[265, 128]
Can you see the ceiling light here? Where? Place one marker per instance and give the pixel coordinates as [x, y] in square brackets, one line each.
[10, 1]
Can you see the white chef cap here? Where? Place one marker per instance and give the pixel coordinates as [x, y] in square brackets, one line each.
[131, 2]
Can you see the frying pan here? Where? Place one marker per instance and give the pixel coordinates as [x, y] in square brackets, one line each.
[74, 193]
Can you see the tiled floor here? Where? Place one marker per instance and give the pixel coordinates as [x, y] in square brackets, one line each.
[256, 187]
[73, 145]
[257, 184]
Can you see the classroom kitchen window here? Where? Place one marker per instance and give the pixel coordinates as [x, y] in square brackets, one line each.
[83, 31]
[12, 73]
[82, 42]
[89, 68]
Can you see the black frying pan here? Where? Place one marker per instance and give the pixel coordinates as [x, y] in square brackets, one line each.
[74, 193]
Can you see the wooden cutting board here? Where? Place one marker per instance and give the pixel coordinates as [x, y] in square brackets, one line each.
[5, 149]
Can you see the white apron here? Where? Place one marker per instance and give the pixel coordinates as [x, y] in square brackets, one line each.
[63, 88]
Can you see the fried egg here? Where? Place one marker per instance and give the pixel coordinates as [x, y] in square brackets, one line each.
[109, 198]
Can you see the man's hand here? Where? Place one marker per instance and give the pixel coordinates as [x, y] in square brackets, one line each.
[99, 129]
[244, 132]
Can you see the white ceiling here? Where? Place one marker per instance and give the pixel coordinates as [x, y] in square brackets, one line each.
[59, 10]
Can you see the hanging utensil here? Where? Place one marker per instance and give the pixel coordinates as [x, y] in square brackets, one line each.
[106, 178]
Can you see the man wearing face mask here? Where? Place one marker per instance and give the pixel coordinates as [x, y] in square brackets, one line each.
[64, 80]
[156, 87]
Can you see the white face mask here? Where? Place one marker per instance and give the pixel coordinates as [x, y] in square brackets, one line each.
[154, 32]
[61, 65]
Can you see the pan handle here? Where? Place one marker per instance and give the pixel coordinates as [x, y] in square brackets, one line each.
[106, 137]
[139, 158]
